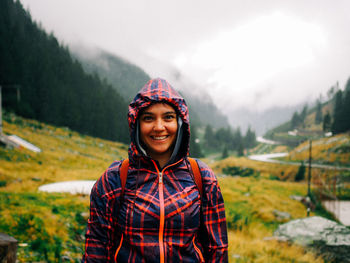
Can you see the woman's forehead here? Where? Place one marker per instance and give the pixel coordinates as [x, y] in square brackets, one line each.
[159, 108]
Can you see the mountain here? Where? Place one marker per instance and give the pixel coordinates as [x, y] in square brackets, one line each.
[200, 102]
[50, 85]
[124, 76]
[283, 119]
[261, 121]
[128, 78]
[322, 119]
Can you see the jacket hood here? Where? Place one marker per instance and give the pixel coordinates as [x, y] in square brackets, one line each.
[156, 91]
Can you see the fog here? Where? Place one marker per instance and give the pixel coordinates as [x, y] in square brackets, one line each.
[256, 54]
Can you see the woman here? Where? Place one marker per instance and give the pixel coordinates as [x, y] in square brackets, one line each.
[160, 216]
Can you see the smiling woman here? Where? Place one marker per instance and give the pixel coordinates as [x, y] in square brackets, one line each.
[162, 214]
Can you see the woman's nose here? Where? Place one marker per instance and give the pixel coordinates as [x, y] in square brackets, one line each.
[158, 125]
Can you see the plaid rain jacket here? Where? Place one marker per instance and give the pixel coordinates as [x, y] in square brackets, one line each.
[161, 217]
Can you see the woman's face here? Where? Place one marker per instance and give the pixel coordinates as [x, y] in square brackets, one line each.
[158, 127]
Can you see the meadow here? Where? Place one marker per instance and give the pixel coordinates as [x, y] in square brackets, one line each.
[51, 227]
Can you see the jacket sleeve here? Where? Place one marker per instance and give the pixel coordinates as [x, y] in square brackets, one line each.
[100, 231]
[213, 221]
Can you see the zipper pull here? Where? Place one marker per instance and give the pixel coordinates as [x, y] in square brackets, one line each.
[161, 177]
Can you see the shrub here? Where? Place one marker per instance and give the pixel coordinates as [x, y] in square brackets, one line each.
[301, 173]
[274, 177]
[239, 171]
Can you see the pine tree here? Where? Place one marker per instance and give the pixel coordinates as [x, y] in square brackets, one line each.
[238, 141]
[195, 150]
[250, 139]
[327, 122]
[240, 149]
[347, 86]
[209, 138]
[303, 115]
[318, 116]
[338, 122]
[295, 121]
[301, 173]
[224, 153]
[346, 110]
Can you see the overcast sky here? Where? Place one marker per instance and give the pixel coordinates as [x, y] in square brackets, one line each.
[255, 53]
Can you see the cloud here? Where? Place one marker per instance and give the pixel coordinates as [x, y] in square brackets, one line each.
[233, 49]
[251, 55]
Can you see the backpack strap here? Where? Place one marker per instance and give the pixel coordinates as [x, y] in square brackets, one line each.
[123, 174]
[197, 174]
[194, 166]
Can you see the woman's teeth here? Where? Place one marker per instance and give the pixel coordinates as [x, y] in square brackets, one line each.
[159, 137]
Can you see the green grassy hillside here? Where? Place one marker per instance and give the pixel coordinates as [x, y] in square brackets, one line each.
[51, 227]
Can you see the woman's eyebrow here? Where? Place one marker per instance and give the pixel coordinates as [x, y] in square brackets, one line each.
[146, 113]
[151, 113]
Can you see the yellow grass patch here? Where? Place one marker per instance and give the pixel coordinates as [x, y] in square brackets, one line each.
[332, 150]
[249, 245]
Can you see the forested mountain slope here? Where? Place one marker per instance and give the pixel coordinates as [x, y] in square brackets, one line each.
[128, 79]
[329, 117]
[125, 77]
[53, 87]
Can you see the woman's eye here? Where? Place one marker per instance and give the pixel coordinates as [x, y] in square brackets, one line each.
[170, 117]
[147, 118]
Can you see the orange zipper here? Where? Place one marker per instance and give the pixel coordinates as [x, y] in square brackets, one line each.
[161, 204]
[117, 251]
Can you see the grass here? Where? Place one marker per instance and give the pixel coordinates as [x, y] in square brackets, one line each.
[250, 205]
[66, 155]
[50, 227]
[248, 246]
[47, 226]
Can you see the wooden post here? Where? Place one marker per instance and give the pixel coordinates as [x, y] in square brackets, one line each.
[8, 249]
[309, 179]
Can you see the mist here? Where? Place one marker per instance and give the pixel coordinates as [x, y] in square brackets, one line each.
[255, 55]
